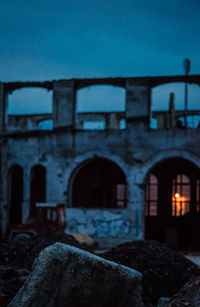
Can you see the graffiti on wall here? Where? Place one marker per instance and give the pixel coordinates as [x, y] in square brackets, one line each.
[98, 223]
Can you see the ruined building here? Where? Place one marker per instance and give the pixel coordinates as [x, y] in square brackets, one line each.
[117, 184]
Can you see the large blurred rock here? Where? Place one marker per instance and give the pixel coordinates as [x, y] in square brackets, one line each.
[67, 276]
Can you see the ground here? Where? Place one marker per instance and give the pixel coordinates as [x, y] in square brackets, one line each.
[164, 270]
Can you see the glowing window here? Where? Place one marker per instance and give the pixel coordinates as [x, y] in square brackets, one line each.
[181, 195]
[151, 196]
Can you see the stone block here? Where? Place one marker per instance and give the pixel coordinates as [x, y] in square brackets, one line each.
[65, 276]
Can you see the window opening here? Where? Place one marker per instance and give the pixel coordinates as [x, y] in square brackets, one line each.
[15, 193]
[122, 124]
[100, 184]
[181, 195]
[46, 124]
[37, 187]
[151, 196]
[94, 125]
[121, 198]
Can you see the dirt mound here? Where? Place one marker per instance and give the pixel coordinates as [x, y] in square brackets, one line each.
[164, 270]
[21, 254]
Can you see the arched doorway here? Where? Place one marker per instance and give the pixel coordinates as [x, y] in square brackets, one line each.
[15, 193]
[172, 204]
[100, 183]
[37, 187]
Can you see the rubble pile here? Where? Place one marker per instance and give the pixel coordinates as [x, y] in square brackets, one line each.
[189, 295]
[16, 260]
[164, 270]
[64, 275]
[22, 253]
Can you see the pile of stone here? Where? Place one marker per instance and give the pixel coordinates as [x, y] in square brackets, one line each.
[164, 270]
[16, 260]
[65, 276]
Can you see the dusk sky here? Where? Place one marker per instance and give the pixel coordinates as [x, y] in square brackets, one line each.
[62, 39]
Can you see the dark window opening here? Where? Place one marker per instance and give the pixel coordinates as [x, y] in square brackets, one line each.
[151, 196]
[15, 193]
[37, 187]
[121, 197]
[100, 184]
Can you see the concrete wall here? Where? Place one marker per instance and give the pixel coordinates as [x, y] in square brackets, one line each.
[63, 150]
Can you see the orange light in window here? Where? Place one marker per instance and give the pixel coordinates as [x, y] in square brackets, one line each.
[180, 206]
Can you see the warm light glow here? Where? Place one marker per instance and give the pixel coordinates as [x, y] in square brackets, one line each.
[179, 205]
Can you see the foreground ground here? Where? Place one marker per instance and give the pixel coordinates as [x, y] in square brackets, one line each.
[165, 271]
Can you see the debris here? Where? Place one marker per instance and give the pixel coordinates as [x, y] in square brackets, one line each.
[67, 276]
[164, 270]
[16, 260]
[189, 295]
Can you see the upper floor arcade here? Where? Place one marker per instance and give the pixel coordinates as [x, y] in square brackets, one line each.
[133, 105]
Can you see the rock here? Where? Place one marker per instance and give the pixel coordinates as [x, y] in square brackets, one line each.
[164, 302]
[67, 276]
[189, 295]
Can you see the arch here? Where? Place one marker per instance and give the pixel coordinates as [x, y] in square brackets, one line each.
[15, 193]
[160, 96]
[177, 219]
[99, 183]
[45, 124]
[98, 98]
[37, 186]
[79, 161]
[159, 158]
[30, 100]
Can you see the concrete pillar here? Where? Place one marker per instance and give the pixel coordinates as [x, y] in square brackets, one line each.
[137, 104]
[63, 104]
[26, 200]
[138, 205]
[113, 122]
[3, 103]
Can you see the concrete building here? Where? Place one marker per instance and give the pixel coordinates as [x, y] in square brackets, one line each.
[124, 182]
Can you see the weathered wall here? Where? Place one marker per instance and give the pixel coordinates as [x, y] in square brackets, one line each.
[62, 153]
[63, 150]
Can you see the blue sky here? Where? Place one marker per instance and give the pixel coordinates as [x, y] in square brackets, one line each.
[52, 39]
[56, 39]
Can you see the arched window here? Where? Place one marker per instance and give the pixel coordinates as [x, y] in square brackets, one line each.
[37, 187]
[99, 184]
[181, 195]
[15, 193]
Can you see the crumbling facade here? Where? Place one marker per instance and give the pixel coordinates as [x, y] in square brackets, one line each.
[117, 184]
